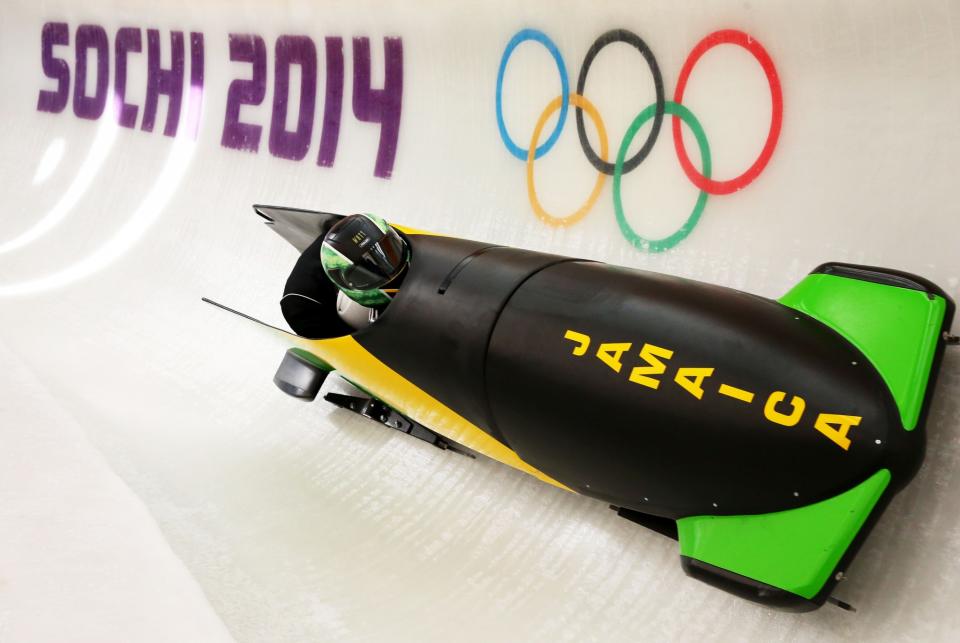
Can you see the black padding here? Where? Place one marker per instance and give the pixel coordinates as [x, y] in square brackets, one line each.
[885, 276]
[748, 588]
[309, 301]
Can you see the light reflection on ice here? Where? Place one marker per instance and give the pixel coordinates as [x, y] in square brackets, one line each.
[50, 161]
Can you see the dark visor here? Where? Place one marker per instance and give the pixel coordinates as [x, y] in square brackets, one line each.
[377, 266]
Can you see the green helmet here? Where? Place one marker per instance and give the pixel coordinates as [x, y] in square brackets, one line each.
[365, 258]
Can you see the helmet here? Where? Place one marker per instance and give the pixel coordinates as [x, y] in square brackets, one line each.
[362, 254]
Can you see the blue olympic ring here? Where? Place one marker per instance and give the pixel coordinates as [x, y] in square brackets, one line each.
[543, 39]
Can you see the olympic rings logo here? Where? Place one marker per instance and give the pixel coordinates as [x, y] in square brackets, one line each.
[701, 178]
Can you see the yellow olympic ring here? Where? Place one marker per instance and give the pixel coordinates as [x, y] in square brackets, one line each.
[578, 101]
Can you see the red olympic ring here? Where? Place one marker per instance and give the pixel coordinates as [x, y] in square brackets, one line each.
[732, 37]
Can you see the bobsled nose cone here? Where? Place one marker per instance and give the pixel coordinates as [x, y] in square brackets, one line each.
[299, 227]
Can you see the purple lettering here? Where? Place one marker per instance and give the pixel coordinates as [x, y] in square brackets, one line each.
[128, 39]
[54, 33]
[196, 83]
[91, 37]
[293, 50]
[380, 105]
[168, 82]
[249, 49]
[332, 102]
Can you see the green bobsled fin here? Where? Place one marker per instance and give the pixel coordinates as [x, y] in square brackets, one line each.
[795, 550]
[897, 329]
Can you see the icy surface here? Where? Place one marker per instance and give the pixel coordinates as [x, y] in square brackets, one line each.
[154, 484]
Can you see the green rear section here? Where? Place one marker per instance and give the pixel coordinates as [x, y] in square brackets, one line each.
[794, 550]
[897, 329]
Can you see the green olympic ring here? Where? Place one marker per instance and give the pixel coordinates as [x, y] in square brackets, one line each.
[659, 245]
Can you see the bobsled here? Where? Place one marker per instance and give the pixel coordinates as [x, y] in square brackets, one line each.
[766, 436]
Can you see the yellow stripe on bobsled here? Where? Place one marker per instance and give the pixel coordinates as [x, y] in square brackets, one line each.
[413, 231]
[358, 365]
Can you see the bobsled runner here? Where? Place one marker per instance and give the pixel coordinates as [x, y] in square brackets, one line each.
[766, 436]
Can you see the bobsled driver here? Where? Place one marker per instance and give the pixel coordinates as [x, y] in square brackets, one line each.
[364, 258]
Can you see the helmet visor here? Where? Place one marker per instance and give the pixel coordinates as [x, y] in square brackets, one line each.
[374, 268]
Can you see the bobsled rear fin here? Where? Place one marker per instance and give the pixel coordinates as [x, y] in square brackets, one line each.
[299, 227]
[786, 558]
[302, 227]
[895, 319]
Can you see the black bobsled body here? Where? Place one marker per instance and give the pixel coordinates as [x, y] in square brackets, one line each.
[767, 436]
[482, 328]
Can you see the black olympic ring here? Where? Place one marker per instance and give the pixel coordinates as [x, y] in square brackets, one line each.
[632, 39]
